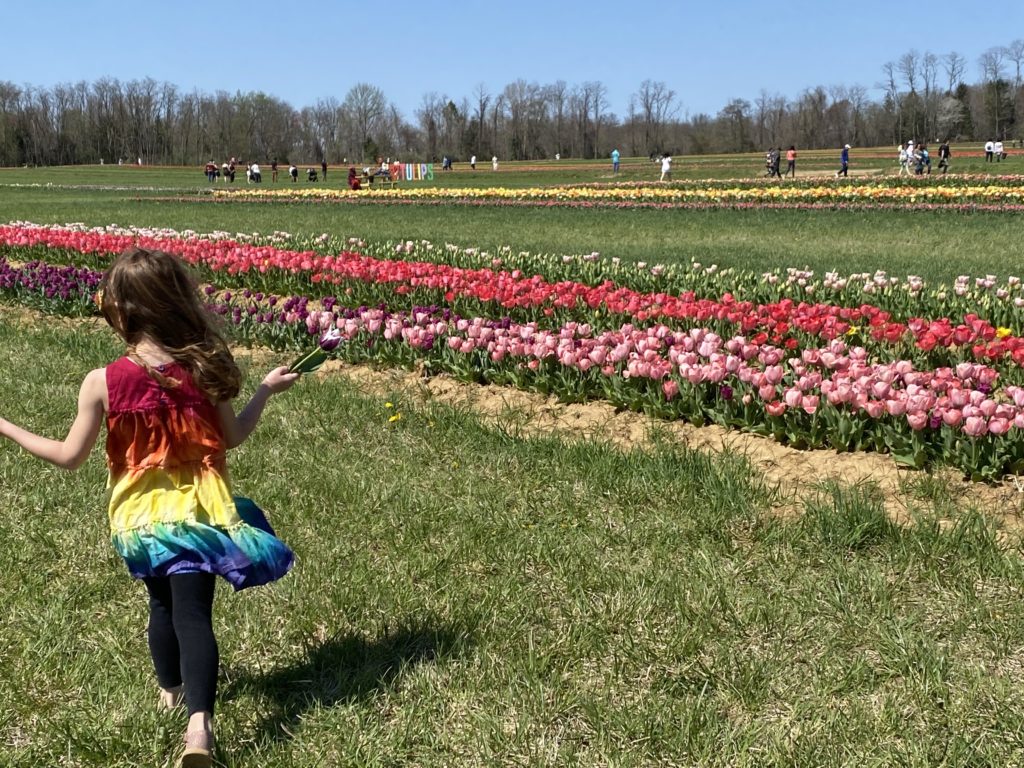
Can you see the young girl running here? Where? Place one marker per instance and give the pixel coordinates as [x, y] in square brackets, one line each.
[172, 516]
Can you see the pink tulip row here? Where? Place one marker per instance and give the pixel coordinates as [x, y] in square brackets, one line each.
[837, 375]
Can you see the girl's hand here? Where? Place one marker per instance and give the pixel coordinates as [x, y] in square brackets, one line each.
[280, 379]
[73, 450]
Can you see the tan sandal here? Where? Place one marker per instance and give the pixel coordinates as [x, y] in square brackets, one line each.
[198, 750]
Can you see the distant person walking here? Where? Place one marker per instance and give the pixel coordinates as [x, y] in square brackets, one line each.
[273, 170]
[791, 161]
[666, 168]
[323, 167]
[923, 161]
[989, 149]
[494, 163]
[904, 161]
[615, 161]
[844, 161]
[293, 171]
[997, 150]
[472, 162]
[944, 155]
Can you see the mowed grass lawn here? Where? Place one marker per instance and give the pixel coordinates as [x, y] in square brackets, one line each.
[466, 596]
[936, 245]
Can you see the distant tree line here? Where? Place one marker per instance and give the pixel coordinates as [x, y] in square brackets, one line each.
[925, 97]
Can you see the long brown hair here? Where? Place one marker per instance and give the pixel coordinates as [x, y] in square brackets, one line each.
[151, 294]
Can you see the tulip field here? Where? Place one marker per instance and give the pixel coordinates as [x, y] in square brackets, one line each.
[468, 594]
[851, 363]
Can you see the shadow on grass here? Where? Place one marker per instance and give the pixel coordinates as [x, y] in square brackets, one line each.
[344, 669]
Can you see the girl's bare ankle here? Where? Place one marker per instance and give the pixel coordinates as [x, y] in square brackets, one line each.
[172, 698]
[200, 722]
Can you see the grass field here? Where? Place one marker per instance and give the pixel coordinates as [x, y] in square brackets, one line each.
[466, 595]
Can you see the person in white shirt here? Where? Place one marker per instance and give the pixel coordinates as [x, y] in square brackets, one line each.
[666, 168]
[904, 161]
[997, 150]
[472, 162]
[989, 149]
[494, 163]
[257, 177]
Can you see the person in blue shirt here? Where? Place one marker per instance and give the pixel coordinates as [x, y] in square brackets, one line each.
[844, 161]
[615, 161]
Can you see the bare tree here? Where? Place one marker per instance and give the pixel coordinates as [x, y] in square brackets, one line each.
[1015, 53]
[955, 66]
[598, 100]
[761, 110]
[810, 116]
[929, 76]
[892, 97]
[364, 111]
[655, 101]
[453, 125]
[497, 112]
[556, 98]
[992, 63]
[526, 110]
[908, 66]
[430, 116]
[325, 124]
[482, 99]
[736, 117]
[857, 96]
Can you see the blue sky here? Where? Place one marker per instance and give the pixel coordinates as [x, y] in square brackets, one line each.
[300, 51]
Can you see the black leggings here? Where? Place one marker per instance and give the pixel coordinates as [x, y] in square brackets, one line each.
[181, 637]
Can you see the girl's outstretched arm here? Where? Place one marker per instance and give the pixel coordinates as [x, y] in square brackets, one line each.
[237, 428]
[72, 451]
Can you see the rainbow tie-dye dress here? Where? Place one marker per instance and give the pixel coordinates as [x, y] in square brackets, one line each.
[171, 508]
